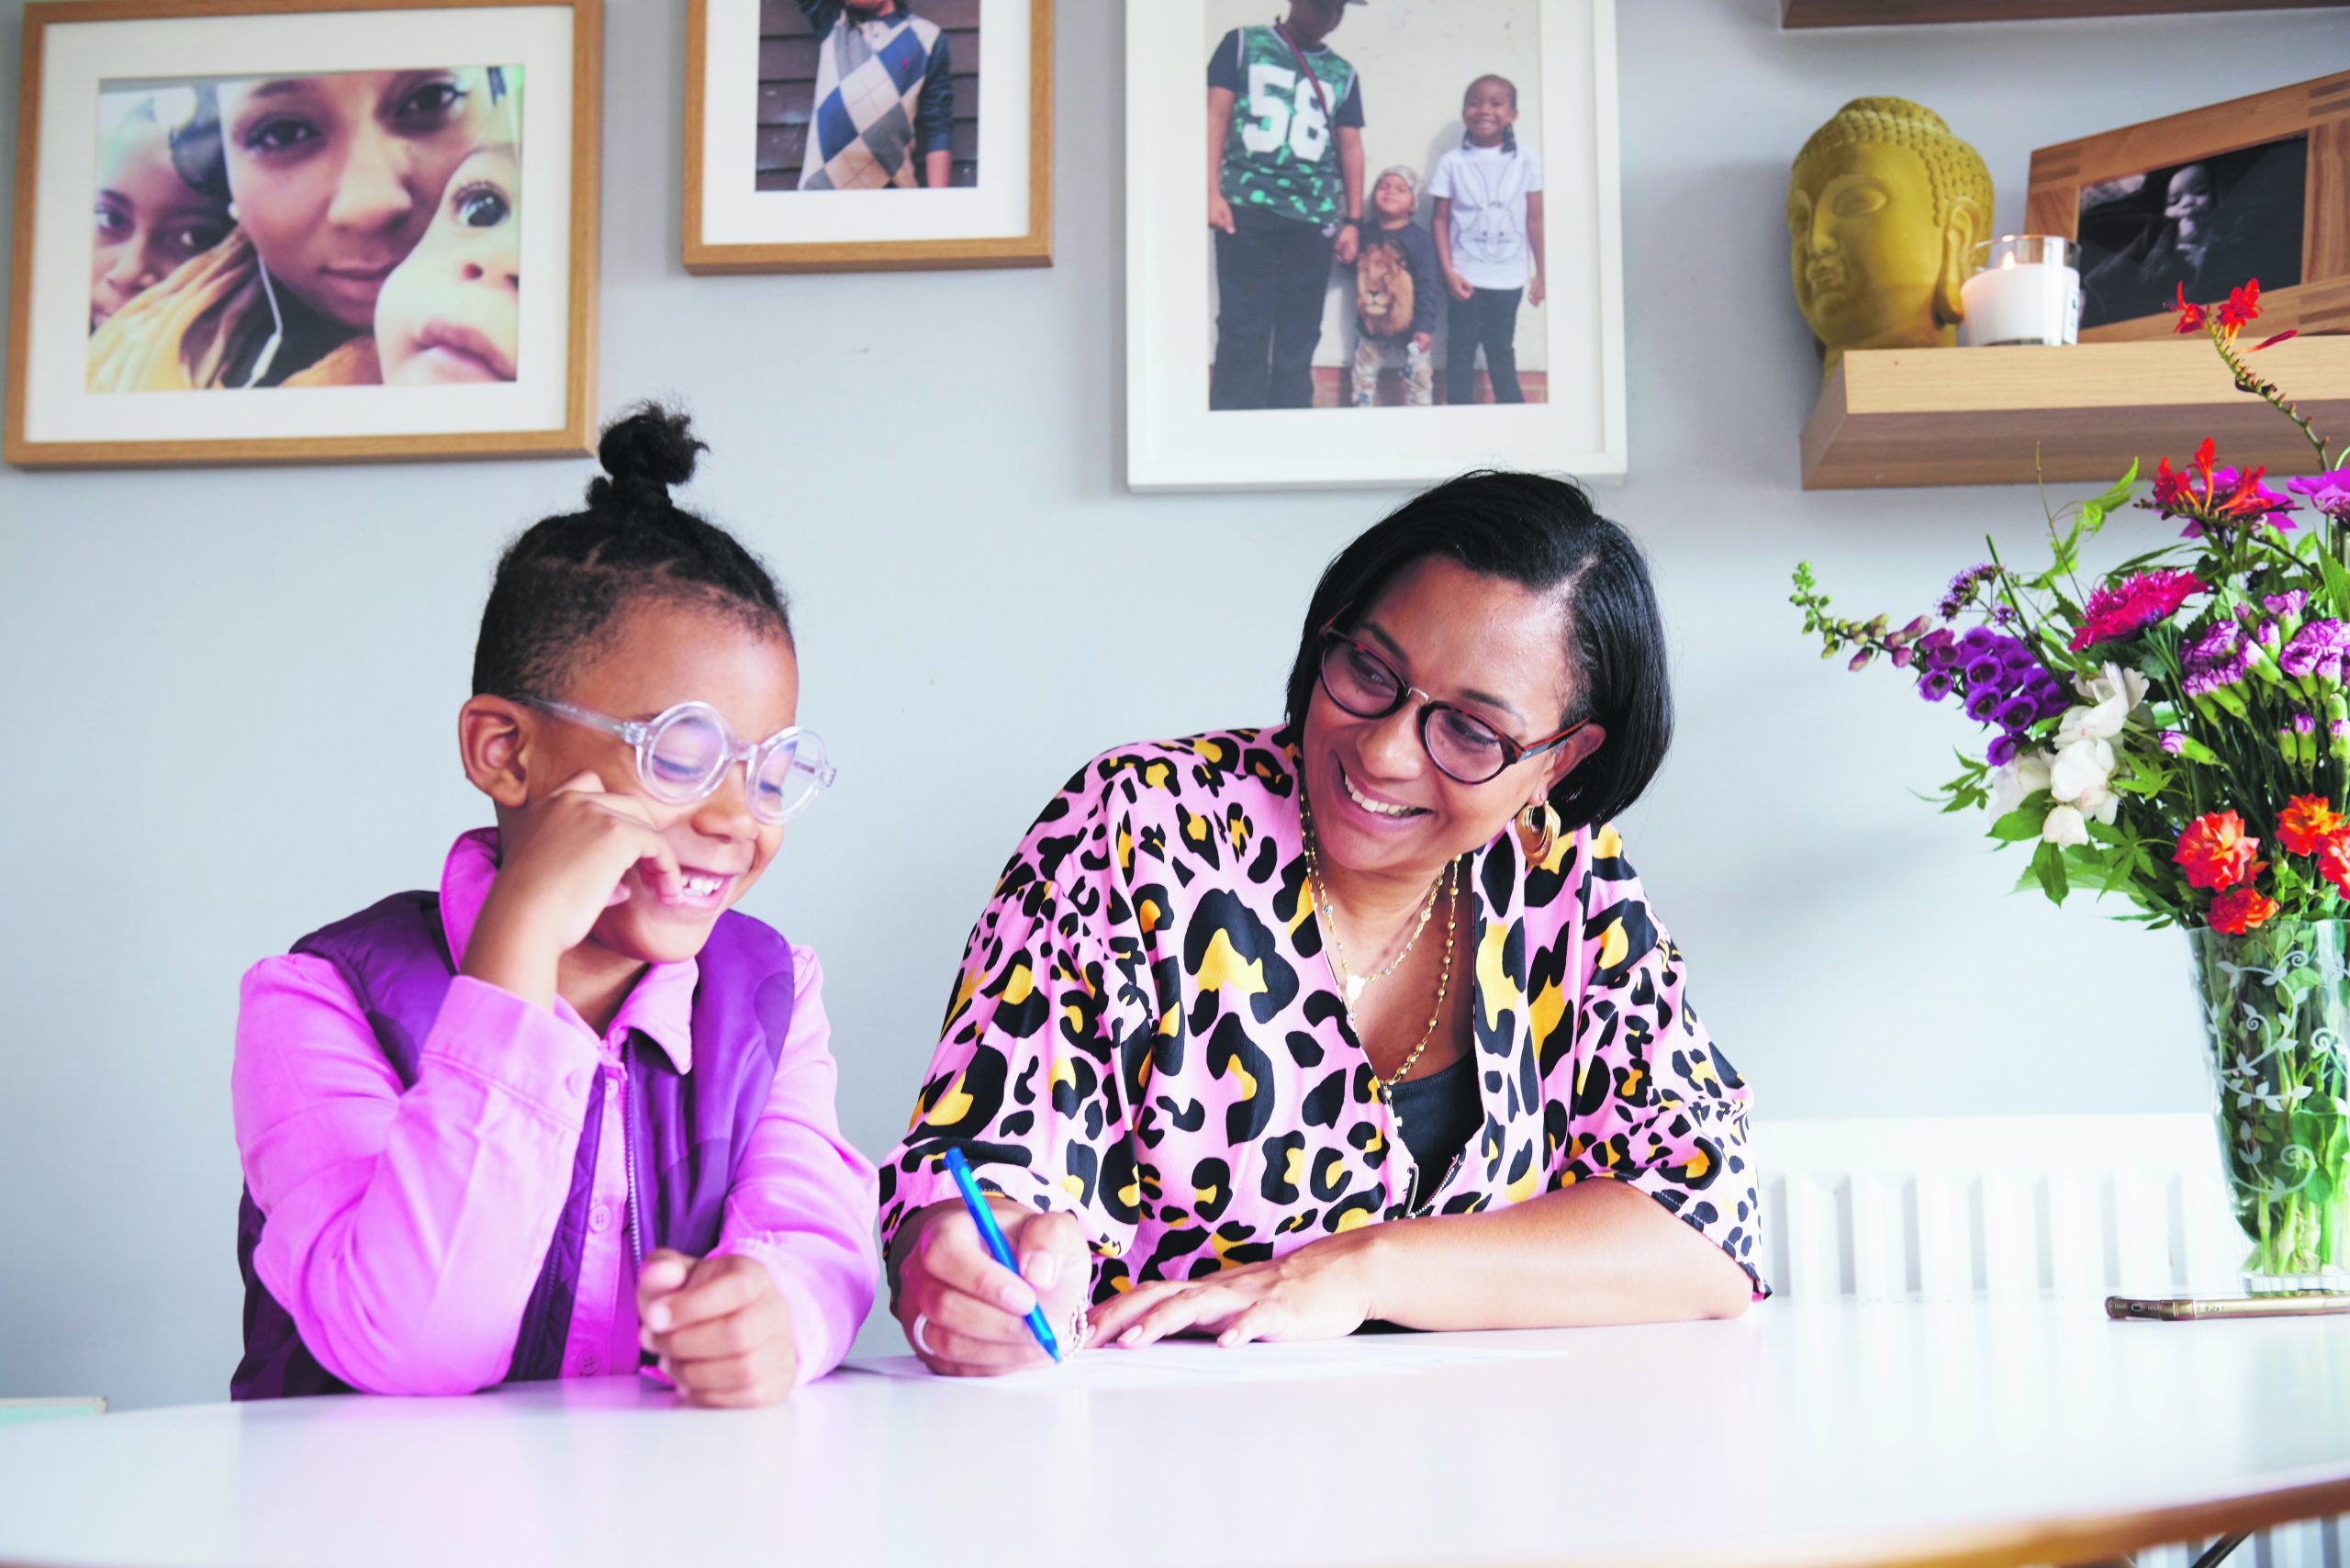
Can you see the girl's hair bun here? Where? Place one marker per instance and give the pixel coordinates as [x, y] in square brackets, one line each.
[645, 451]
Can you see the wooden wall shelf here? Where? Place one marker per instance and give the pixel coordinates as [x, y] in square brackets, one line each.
[1889, 13]
[1900, 416]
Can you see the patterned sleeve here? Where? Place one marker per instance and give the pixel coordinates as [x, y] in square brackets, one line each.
[1640, 1094]
[1052, 996]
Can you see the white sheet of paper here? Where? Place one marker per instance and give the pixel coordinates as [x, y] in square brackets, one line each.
[1170, 1365]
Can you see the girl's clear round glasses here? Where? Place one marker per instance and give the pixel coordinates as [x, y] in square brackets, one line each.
[684, 753]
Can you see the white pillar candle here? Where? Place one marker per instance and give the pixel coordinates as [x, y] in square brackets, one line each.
[2022, 299]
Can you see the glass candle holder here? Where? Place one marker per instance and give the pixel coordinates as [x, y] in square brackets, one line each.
[2026, 289]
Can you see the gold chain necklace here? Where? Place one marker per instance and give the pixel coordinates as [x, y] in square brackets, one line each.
[1351, 984]
[1443, 983]
[1447, 883]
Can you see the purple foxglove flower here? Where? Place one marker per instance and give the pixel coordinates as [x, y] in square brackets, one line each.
[2015, 714]
[2001, 751]
[2018, 659]
[1985, 673]
[2329, 492]
[1902, 657]
[1981, 705]
[1976, 641]
[1934, 685]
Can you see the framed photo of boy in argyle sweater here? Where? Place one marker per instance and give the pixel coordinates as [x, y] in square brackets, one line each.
[845, 135]
[1410, 263]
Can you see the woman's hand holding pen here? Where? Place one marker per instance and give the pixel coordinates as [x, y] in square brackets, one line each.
[965, 1313]
[722, 1330]
[563, 861]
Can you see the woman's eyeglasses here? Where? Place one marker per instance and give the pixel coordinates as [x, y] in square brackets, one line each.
[1464, 748]
[686, 752]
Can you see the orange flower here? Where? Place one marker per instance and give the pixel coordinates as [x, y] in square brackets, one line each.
[2190, 317]
[2215, 852]
[2241, 309]
[2306, 823]
[2238, 911]
[2334, 861]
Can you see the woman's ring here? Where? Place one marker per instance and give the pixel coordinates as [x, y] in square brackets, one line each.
[914, 1335]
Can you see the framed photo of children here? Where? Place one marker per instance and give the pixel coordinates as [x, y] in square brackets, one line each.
[1403, 258]
[868, 135]
[288, 231]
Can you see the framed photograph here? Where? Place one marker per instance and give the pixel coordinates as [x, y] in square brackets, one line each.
[868, 135]
[1471, 315]
[2257, 187]
[294, 231]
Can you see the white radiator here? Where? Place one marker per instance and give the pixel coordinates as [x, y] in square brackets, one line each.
[2009, 1205]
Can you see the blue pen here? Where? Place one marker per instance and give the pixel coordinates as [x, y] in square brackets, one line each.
[1001, 1249]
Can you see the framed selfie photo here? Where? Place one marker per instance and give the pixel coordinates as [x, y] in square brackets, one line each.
[1471, 316]
[294, 231]
[2257, 187]
[868, 135]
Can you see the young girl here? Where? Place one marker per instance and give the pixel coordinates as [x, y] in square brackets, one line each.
[146, 219]
[1488, 196]
[568, 1105]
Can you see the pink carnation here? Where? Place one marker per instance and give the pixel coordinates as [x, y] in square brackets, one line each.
[2126, 610]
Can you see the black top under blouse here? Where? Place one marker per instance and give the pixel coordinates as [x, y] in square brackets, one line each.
[1439, 1114]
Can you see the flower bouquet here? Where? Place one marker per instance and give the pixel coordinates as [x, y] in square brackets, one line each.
[2175, 731]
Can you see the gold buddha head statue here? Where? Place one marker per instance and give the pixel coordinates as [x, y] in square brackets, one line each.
[1883, 212]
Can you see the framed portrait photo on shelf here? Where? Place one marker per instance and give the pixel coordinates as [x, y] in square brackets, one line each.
[1471, 316]
[296, 230]
[868, 135]
[2257, 187]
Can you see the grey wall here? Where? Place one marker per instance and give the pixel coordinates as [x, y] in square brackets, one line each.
[228, 695]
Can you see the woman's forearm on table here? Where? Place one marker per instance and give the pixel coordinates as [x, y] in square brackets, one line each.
[1599, 1251]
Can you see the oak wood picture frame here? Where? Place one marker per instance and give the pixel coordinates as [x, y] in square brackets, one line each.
[1031, 248]
[573, 436]
[2320, 109]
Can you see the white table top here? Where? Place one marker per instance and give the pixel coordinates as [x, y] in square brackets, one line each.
[1822, 1432]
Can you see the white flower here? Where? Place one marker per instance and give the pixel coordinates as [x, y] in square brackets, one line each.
[2064, 827]
[2019, 781]
[2128, 684]
[2100, 723]
[2098, 800]
[2081, 766]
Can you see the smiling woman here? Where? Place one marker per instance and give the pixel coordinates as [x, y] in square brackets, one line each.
[1363, 1018]
[332, 181]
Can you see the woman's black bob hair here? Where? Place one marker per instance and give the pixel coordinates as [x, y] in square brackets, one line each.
[1542, 534]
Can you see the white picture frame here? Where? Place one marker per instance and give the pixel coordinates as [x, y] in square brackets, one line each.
[1175, 442]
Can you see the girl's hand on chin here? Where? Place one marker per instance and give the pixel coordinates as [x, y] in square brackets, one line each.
[562, 862]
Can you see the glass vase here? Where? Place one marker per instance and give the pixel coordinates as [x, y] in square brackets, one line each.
[2277, 1011]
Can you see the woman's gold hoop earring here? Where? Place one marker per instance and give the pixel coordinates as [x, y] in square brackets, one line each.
[1537, 831]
